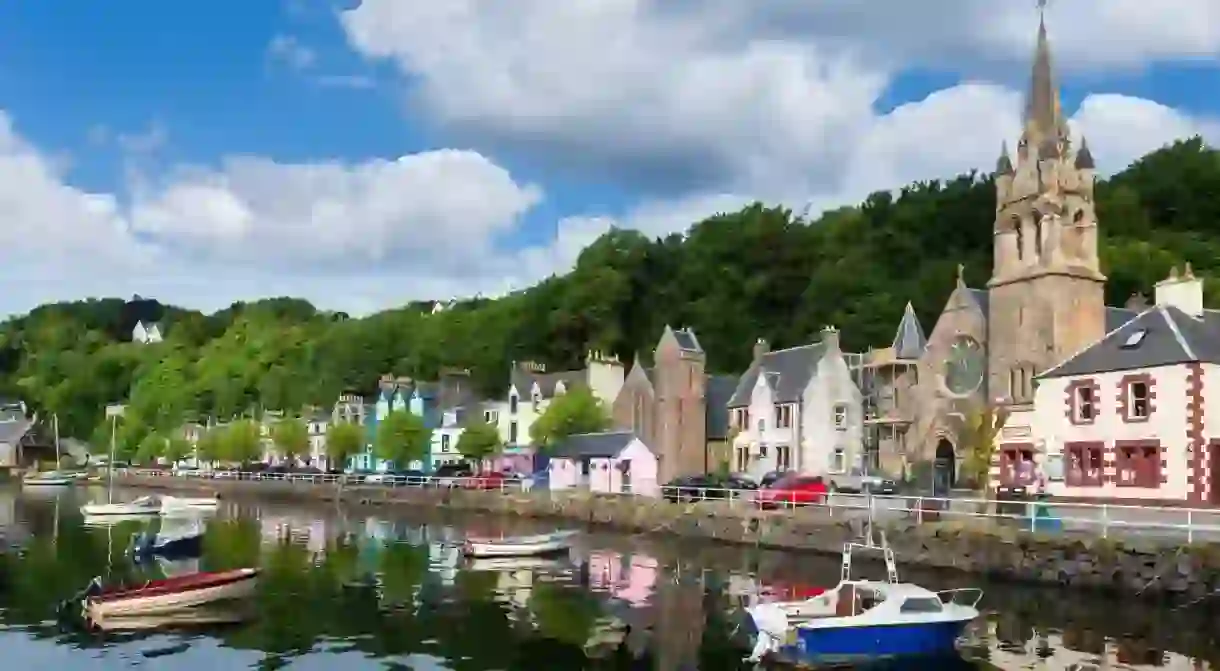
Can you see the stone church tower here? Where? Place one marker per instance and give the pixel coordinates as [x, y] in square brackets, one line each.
[1046, 295]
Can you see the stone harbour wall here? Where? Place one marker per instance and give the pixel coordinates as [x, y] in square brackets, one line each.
[1129, 567]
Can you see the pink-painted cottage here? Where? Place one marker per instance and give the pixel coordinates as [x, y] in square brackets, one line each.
[1126, 419]
[610, 463]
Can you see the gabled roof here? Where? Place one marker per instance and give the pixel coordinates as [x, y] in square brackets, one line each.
[909, 341]
[588, 445]
[787, 372]
[1159, 336]
[687, 340]
[525, 380]
[13, 430]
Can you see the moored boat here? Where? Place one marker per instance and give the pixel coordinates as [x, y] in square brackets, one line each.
[145, 505]
[47, 479]
[519, 546]
[176, 541]
[157, 597]
[204, 616]
[179, 505]
[864, 620]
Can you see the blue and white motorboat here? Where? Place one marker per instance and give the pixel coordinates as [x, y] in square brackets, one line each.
[170, 541]
[864, 620]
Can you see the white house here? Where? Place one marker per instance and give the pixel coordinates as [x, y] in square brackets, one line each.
[1126, 418]
[146, 333]
[797, 409]
[445, 439]
[531, 390]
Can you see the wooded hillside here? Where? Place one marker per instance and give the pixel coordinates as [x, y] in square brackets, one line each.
[760, 272]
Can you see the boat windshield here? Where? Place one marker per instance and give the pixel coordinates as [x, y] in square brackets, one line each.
[146, 501]
[921, 604]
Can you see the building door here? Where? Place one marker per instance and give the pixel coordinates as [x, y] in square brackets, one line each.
[944, 470]
[1213, 455]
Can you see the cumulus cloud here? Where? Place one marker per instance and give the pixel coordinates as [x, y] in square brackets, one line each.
[699, 107]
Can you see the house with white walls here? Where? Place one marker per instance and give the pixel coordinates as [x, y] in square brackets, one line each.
[445, 439]
[1125, 419]
[146, 334]
[531, 389]
[797, 409]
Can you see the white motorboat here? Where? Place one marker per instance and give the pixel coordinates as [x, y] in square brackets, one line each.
[47, 479]
[158, 597]
[145, 505]
[499, 564]
[863, 620]
[203, 617]
[177, 505]
[519, 546]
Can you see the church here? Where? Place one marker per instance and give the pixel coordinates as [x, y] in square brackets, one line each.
[1000, 345]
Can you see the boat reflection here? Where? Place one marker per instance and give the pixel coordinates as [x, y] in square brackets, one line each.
[204, 617]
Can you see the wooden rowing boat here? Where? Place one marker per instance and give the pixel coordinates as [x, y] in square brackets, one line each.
[519, 546]
[172, 594]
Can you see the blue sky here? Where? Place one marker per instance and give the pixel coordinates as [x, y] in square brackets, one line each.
[209, 152]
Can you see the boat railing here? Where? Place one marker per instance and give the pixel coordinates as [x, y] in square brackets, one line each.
[962, 596]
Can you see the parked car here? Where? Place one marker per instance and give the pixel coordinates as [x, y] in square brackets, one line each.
[407, 476]
[492, 481]
[706, 486]
[450, 475]
[769, 479]
[859, 482]
[793, 490]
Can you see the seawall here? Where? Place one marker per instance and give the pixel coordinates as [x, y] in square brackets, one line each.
[1143, 567]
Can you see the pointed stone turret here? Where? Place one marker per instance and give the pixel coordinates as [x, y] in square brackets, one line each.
[1084, 157]
[1043, 116]
[1003, 166]
[909, 341]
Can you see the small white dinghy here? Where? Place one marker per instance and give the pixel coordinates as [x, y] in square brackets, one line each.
[47, 479]
[180, 505]
[519, 546]
[145, 505]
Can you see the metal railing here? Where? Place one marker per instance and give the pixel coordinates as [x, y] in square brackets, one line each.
[1107, 520]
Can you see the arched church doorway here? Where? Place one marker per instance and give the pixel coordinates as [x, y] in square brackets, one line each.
[944, 468]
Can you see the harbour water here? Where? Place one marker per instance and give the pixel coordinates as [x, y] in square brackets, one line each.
[368, 588]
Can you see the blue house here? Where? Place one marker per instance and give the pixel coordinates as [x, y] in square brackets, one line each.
[395, 395]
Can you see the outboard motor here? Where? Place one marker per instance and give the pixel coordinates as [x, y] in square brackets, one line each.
[142, 544]
[771, 621]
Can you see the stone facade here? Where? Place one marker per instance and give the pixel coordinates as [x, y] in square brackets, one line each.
[1044, 302]
[675, 407]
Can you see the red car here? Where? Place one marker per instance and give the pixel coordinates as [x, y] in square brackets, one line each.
[493, 480]
[793, 490]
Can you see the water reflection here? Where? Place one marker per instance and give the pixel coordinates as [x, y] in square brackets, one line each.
[373, 590]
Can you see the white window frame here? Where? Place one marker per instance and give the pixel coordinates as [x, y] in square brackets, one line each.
[840, 416]
[838, 460]
[1132, 397]
[1081, 403]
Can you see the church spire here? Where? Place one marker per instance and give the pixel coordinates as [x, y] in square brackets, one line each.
[1042, 113]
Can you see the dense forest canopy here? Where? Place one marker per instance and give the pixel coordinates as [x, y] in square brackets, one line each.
[735, 277]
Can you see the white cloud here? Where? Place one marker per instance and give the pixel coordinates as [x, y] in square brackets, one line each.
[753, 101]
[289, 50]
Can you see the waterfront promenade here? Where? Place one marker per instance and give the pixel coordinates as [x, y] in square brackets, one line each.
[1114, 553]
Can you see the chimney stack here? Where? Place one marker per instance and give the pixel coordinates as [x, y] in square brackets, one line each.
[761, 347]
[830, 336]
[1184, 292]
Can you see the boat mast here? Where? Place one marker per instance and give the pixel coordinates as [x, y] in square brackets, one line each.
[58, 456]
[114, 427]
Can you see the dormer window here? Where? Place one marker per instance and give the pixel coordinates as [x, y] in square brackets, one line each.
[512, 404]
[1133, 341]
[537, 399]
[783, 416]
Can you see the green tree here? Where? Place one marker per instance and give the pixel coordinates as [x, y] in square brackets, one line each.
[291, 438]
[176, 449]
[478, 441]
[241, 441]
[402, 437]
[150, 449]
[209, 447]
[574, 412]
[976, 440]
[343, 440]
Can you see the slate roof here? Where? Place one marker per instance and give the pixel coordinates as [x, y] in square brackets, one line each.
[1170, 336]
[524, 381]
[588, 445]
[909, 341]
[14, 430]
[719, 390]
[787, 371]
[687, 340]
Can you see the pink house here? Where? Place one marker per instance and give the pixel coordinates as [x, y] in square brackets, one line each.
[1127, 419]
[611, 463]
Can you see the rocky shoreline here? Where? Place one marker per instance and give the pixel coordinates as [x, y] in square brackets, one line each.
[1127, 566]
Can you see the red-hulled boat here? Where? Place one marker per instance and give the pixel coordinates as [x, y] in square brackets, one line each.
[170, 595]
